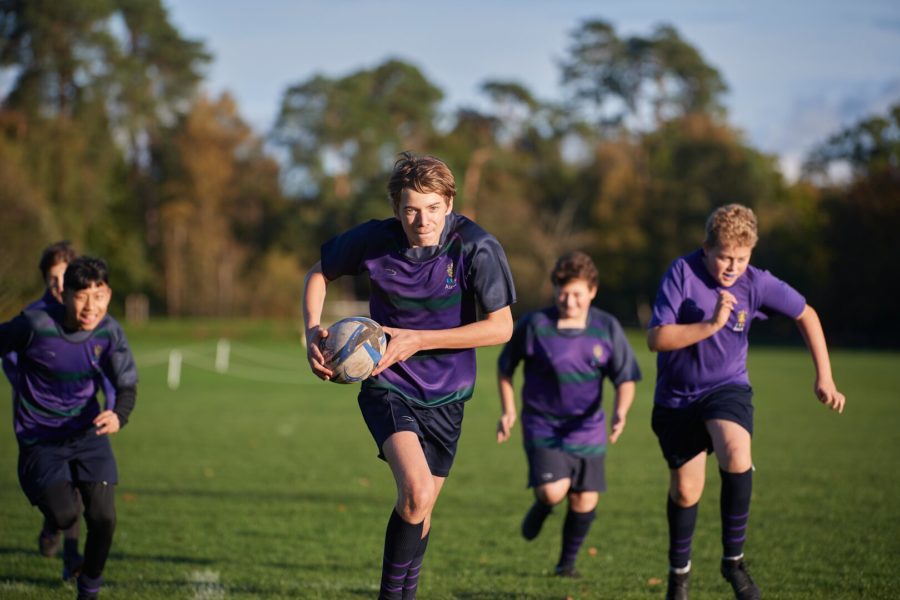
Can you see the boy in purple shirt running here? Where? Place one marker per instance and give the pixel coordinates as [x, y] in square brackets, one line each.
[54, 260]
[568, 350]
[432, 274]
[700, 326]
[65, 351]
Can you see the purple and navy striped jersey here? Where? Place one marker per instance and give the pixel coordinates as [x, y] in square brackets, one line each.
[60, 372]
[688, 294]
[439, 287]
[564, 373]
[11, 359]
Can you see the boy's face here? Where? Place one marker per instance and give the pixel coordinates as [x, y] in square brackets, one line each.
[573, 299]
[423, 216]
[86, 308]
[726, 263]
[54, 281]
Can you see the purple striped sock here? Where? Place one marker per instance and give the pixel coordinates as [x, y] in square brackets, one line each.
[681, 532]
[401, 540]
[575, 529]
[411, 583]
[735, 511]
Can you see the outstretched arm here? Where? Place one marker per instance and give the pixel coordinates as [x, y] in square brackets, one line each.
[313, 302]
[507, 407]
[825, 389]
[666, 338]
[624, 400]
[495, 328]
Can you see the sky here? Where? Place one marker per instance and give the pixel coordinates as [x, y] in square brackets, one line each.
[797, 70]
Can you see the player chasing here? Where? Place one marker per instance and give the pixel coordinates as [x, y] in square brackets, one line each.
[432, 273]
[568, 350]
[54, 260]
[64, 352]
[700, 326]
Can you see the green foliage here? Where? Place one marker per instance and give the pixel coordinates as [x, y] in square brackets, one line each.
[105, 141]
[252, 488]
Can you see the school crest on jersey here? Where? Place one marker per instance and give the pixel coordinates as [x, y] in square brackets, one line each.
[741, 321]
[450, 282]
[98, 350]
[598, 352]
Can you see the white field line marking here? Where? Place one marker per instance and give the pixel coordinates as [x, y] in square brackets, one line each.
[206, 585]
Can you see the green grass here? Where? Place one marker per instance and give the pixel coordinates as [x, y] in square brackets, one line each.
[232, 487]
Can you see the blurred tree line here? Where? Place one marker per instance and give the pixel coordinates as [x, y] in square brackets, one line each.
[107, 139]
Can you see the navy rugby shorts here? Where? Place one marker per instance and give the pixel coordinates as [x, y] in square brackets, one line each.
[438, 428]
[682, 432]
[546, 465]
[81, 458]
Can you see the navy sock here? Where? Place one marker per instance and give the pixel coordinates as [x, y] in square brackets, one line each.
[681, 532]
[411, 583]
[735, 509]
[534, 519]
[575, 529]
[401, 540]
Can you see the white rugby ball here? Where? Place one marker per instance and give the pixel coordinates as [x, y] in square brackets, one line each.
[352, 348]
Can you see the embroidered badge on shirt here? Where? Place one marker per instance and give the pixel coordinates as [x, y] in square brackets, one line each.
[598, 352]
[741, 321]
[450, 282]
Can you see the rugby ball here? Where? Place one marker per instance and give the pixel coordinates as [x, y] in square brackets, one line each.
[352, 348]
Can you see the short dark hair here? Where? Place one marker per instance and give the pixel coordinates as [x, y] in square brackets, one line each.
[56, 253]
[575, 265]
[424, 174]
[85, 271]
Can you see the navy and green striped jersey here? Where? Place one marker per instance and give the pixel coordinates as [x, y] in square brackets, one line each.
[439, 287]
[60, 372]
[564, 373]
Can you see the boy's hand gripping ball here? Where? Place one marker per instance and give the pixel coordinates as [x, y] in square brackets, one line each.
[352, 349]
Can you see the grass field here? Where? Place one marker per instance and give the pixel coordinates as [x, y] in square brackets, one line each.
[263, 483]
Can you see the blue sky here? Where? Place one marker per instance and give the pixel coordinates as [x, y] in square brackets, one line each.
[797, 70]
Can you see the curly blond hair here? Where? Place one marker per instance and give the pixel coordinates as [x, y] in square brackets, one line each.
[731, 225]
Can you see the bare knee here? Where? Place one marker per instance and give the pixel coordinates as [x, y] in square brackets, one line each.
[415, 502]
[685, 492]
[552, 493]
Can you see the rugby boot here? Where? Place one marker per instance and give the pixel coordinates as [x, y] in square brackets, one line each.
[678, 586]
[567, 571]
[735, 572]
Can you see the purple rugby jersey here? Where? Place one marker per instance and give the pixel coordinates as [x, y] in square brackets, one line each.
[60, 372]
[564, 374]
[688, 294]
[438, 287]
[10, 359]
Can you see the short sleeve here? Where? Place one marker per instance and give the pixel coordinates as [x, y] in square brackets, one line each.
[669, 297]
[515, 349]
[776, 296]
[623, 366]
[490, 275]
[344, 253]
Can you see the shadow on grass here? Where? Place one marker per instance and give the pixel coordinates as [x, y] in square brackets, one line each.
[42, 582]
[161, 558]
[255, 496]
[497, 595]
